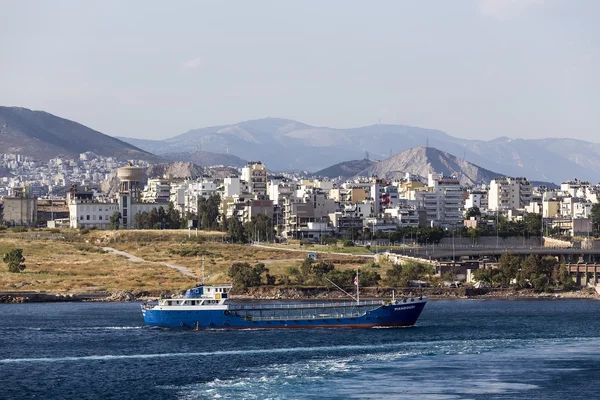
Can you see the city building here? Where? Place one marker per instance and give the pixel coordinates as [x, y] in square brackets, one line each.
[255, 174]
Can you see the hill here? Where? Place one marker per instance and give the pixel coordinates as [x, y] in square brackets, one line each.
[284, 144]
[346, 169]
[206, 158]
[422, 161]
[43, 136]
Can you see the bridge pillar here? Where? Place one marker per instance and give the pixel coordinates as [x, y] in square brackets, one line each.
[577, 273]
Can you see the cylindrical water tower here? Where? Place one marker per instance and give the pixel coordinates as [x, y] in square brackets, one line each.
[129, 191]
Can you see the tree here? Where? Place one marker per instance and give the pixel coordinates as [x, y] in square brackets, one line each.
[14, 259]
[321, 268]
[483, 275]
[244, 275]
[565, 278]
[260, 227]
[472, 212]
[474, 234]
[413, 271]
[115, 221]
[399, 275]
[509, 265]
[342, 277]
[236, 231]
[538, 271]
[596, 215]
[394, 276]
[369, 278]
[173, 217]
[208, 211]
[533, 223]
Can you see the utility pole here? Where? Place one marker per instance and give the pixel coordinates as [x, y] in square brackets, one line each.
[497, 228]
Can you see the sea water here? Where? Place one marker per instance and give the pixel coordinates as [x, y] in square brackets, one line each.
[460, 349]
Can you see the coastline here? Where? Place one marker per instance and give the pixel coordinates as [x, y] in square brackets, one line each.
[303, 294]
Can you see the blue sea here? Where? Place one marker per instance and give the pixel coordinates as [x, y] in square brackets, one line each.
[460, 349]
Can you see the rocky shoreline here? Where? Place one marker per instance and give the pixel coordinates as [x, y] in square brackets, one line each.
[304, 294]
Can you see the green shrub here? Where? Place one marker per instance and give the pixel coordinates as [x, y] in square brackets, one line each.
[14, 259]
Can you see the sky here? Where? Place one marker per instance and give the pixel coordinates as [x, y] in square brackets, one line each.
[476, 69]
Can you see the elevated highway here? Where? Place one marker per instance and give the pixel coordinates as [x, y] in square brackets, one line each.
[449, 253]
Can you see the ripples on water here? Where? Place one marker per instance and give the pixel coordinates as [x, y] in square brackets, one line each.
[459, 350]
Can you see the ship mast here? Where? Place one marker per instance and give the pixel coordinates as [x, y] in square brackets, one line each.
[203, 270]
[357, 289]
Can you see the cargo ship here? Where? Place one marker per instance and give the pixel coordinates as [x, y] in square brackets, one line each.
[209, 307]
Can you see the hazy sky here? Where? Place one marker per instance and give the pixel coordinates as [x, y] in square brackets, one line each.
[150, 69]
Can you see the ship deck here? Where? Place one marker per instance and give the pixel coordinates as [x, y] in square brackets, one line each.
[303, 306]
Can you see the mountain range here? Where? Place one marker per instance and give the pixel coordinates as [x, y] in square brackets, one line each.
[284, 144]
[287, 145]
[43, 136]
[419, 161]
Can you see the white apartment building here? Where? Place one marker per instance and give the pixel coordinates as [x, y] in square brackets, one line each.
[235, 186]
[86, 212]
[575, 207]
[509, 193]
[404, 216]
[443, 203]
[185, 195]
[255, 173]
[477, 198]
[157, 190]
[280, 190]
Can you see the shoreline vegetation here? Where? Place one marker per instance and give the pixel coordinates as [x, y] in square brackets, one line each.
[141, 265]
[307, 294]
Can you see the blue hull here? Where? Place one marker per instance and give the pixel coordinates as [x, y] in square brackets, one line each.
[403, 314]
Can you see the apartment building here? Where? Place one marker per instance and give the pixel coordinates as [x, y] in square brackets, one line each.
[443, 202]
[255, 173]
[301, 214]
[509, 193]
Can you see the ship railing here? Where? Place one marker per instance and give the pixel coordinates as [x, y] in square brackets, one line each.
[304, 306]
[306, 317]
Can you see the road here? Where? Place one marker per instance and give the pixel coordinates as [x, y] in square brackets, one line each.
[183, 270]
[315, 251]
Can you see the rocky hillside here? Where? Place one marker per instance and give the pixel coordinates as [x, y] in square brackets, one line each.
[176, 170]
[425, 160]
[43, 136]
[346, 169]
[207, 158]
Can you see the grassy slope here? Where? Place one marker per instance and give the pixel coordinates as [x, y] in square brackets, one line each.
[81, 265]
